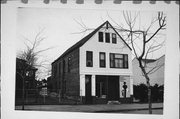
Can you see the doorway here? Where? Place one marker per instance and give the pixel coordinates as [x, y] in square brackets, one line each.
[88, 97]
[113, 88]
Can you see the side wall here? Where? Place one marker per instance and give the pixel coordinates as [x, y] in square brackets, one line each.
[65, 74]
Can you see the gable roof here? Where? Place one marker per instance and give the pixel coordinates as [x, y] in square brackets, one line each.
[150, 60]
[86, 38]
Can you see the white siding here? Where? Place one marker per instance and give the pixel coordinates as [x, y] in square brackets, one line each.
[94, 45]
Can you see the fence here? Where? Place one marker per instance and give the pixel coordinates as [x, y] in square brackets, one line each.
[44, 96]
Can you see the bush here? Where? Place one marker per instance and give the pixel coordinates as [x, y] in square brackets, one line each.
[141, 91]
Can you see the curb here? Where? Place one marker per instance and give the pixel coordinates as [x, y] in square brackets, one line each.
[124, 110]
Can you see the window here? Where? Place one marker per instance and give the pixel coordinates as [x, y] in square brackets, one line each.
[126, 61]
[102, 59]
[100, 36]
[107, 37]
[64, 66]
[89, 58]
[59, 67]
[55, 70]
[101, 87]
[114, 38]
[118, 60]
[69, 64]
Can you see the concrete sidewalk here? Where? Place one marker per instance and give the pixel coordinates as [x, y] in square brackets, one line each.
[92, 108]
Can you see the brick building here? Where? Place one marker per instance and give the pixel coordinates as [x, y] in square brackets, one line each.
[95, 69]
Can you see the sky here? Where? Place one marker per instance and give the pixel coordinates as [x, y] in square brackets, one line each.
[61, 30]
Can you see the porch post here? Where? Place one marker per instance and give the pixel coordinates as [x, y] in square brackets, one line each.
[93, 86]
[82, 85]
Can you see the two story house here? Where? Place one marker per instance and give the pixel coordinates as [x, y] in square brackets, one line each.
[97, 69]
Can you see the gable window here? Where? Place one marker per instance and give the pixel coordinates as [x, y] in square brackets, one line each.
[118, 60]
[107, 37]
[114, 40]
[102, 59]
[89, 58]
[100, 36]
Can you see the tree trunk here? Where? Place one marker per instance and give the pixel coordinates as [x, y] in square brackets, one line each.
[148, 85]
[149, 97]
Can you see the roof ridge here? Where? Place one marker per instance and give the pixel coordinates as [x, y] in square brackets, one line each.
[86, 38]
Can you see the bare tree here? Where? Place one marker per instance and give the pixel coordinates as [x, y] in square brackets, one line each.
[143, 41]
[149, 44]
[32, 58]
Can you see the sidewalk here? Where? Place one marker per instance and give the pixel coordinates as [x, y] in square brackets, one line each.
[92, 108]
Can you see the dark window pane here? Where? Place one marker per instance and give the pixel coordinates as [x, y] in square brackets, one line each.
[102, 59]
[125, 61]
[100, 36]
[89, 58]
[114, 40]
[69, 64]
[59, 67]
[118, 60]
[107, 38]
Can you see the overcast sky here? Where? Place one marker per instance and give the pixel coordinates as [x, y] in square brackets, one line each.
[60, 27]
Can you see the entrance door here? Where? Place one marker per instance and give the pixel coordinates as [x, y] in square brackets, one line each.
[113, 88]
[88, 96]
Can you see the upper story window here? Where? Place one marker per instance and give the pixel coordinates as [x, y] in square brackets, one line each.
[64, 66]
[100, 36]
[55, 70]
[102, 59]
[114, 39]
[118, 60]
[89, 58]
[107, 36]
[59, 67]
[69, 64]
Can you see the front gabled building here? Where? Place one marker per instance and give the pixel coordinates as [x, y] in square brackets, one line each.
[97, 69]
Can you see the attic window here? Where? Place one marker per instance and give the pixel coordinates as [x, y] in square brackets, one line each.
[114, 40]
[100, 36]
[107, 37]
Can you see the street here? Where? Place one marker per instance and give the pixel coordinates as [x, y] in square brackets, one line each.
[103, 108]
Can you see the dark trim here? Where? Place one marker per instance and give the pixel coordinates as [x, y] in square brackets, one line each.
[120, 36]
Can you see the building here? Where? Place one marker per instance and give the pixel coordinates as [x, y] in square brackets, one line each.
[95, 69]
[25, 78]
[157, 75]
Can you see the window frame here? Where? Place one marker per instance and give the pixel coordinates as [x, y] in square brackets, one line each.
[124, 63]
[102, 60]
[107, 37]
[114, 38]
[99, 37]
[91, 59]
[69, 64]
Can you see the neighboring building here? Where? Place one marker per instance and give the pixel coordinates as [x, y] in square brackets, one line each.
[95, 68]
[156, 77]
[25, 76]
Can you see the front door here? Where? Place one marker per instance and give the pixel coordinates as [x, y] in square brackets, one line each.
[88, 96]
[113, 88]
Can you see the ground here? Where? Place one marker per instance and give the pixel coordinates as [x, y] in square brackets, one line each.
[103, 108]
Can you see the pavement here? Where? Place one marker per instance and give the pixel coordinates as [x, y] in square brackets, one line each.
[100, 108]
